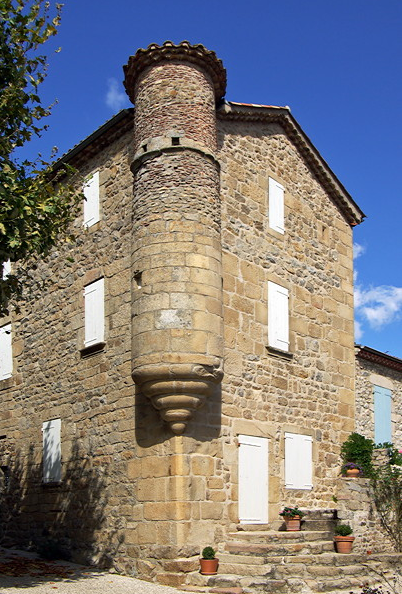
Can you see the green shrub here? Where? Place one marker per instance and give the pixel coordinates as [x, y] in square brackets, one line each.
[358, 449]
[343, 530]
[208, 553]
[291, 512]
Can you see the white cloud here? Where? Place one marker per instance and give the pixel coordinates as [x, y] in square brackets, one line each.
[358, 331]
[378, 306]
[115, 98]
[375, 306]
[358, 250]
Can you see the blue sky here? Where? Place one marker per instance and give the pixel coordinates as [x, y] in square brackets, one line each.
[336, 64]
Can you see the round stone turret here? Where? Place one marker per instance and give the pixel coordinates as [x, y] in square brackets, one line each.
[177, 327]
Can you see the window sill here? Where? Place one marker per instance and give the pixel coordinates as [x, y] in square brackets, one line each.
[52, 484]
[10, 382]
[92, 226]
[92, 349]
[279, 354]
[7, 382]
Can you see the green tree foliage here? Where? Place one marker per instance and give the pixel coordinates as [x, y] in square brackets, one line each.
[386, 484]
[35, 207]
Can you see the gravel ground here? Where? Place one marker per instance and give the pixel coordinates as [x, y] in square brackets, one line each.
[25, 573]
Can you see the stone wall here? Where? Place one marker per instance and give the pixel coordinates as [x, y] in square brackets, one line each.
[265, 393]
[93, 395]
[132, 493]
[356, 507]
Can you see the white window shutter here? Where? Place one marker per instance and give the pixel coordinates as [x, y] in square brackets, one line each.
[253, 479]
[51, 451]
[6, 352]
[276, 206]
[278, 316]
[91, 202]
[6, 268]
[298, 461]
[94, 312]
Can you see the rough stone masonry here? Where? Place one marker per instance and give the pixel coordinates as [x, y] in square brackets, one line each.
[151, 419]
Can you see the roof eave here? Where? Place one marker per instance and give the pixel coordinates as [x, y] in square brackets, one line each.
[103, 136]
[369, 354]
[251, 112]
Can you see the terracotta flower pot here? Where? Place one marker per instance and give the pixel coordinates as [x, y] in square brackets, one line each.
[343, 543]
[352, 472]
[209, 566]
[292, 523]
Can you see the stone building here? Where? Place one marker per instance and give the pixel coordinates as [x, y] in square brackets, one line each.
[190, 366]
[379, 396]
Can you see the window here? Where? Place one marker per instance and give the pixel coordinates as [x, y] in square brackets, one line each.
[382, 414]
[94, 313]
[91, 202]
[51, 451]
[6, 354]
[278, 317]
[298, 461]
[276, 214]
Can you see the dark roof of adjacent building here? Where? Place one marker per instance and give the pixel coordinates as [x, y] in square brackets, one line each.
[369, 354]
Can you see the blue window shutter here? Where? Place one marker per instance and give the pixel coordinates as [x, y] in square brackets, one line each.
[382, 414]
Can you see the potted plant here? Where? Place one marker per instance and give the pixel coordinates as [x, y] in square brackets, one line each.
[342, 538]
[209, 563]
[292, 517]
[351, 470]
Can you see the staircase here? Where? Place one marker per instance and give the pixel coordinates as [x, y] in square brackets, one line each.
[258, 559]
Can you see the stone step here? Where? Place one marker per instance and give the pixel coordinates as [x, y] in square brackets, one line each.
[294, 585]
[327, 579]
[249, 584]
[240, 559]
[252, 527]
[280, 548]
[306, 525]
[250, 569]
[326, 572]
[296, 570]
[327, 558]
[325, 515]
[343, 584]
[302, 570]
[267, 536]
[320, 514]
[328, 525]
